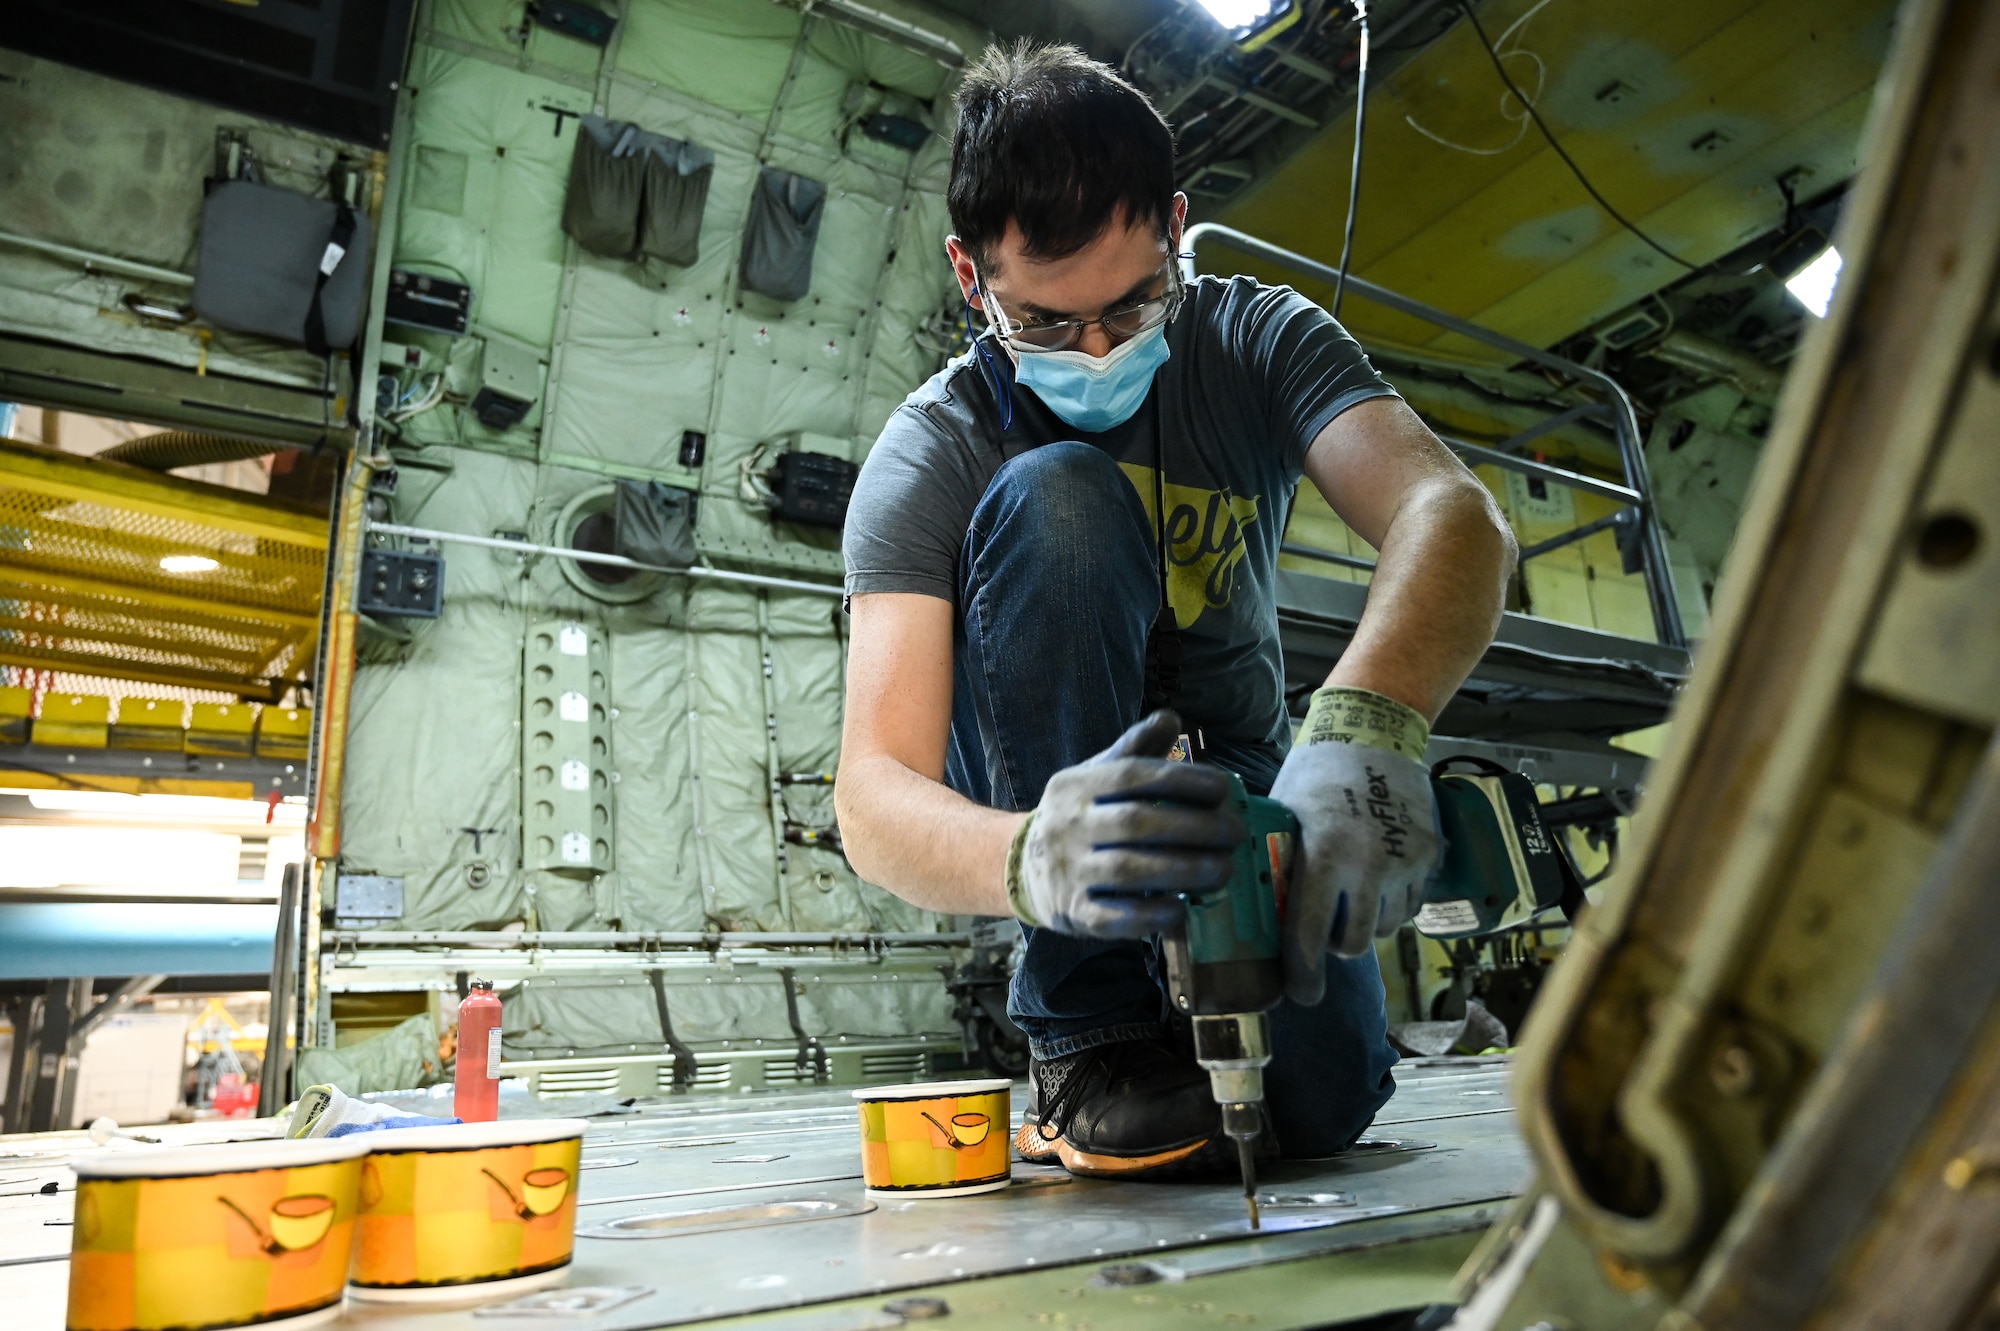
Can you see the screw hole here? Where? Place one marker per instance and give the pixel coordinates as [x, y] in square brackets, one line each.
[1947, 541]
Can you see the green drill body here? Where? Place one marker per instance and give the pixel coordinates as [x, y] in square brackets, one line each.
[1224, 972]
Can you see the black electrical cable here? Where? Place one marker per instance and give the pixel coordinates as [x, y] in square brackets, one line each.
[1574, 169]
[1354, 175]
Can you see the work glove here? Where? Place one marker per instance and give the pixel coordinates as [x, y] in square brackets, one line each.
[1368, 830]
[1117, 836]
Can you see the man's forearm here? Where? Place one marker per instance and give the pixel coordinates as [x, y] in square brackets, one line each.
[1436, 597]
[922, 840]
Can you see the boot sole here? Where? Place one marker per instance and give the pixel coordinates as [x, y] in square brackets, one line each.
[1034, 1148]
[1214, 1155]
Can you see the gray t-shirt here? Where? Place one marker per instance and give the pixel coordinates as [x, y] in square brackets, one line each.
[1255, 374]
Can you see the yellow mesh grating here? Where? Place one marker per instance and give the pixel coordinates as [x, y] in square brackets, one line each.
[83, 586]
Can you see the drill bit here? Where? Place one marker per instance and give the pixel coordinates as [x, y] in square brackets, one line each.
[1246, 1157]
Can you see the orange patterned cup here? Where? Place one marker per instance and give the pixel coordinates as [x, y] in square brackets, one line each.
[247, 1234]
[470, 1210]
[937, 1139]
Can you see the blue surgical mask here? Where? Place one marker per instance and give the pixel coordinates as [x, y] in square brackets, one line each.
[1094, 393]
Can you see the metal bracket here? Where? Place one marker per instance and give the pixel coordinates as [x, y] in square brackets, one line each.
[685, 1063]
[811, 1051]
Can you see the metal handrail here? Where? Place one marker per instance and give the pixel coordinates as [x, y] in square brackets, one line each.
[1636, 491]
[90, 261]
[594, 557]
[640, 940]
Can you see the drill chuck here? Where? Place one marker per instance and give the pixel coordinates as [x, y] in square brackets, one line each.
[1241, 1120]
[1234, 1050]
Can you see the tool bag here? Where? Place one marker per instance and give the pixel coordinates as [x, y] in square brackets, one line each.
[282, 264]
[1501, 864]
[633, 194]
[784, 228]
[654, 523]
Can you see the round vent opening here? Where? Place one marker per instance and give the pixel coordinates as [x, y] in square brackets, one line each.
[590, 522]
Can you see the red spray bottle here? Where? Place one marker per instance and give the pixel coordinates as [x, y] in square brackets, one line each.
[477, 1098]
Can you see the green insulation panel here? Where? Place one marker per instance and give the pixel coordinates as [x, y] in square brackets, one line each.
[697, 697]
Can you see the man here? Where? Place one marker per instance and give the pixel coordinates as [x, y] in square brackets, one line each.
[1076, 527]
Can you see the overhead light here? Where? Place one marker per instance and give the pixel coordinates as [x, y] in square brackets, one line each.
[1251, 23]
[45, 856]
[1812, 286]
[188, 564]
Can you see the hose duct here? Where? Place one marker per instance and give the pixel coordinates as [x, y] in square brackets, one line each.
[185, 448]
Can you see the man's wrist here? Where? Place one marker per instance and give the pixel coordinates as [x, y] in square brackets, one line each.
[1343, 714]
[1017, 878]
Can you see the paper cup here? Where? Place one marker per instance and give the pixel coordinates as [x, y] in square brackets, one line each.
[247, 1234]
[936, 1139]
[470, 1210]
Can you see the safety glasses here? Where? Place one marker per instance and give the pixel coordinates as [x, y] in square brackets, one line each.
[1121, 325]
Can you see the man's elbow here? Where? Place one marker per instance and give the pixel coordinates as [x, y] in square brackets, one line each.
[853, 830]
[857, 841]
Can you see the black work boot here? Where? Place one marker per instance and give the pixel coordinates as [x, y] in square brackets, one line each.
[1134, 1109]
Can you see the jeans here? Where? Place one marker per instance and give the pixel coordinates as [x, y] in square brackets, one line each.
[1058, 588]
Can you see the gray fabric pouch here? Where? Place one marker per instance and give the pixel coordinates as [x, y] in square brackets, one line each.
[784, 225]
[655, 523]
[607, 181]
[263, 253]
[676, 192]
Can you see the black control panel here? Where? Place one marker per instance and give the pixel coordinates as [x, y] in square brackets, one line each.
[424, 300]
[813, 488]
[401, 584]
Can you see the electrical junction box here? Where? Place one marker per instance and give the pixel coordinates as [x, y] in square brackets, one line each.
[423, 300]
[366, 898]
[813, 488]
[401, 584]
[567, 802]
[510, 383]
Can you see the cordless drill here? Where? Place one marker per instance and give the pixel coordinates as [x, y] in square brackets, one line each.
[1500, 866]
[1223, 972]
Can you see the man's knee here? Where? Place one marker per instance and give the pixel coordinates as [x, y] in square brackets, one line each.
[1065, 491]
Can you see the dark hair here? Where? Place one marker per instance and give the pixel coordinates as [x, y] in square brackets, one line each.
[1059, 143]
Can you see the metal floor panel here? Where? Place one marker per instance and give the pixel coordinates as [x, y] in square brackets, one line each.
[1458, 1148]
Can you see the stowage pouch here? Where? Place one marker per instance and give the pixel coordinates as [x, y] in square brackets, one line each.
[784, 226]
[635, 194]
[655, 523]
